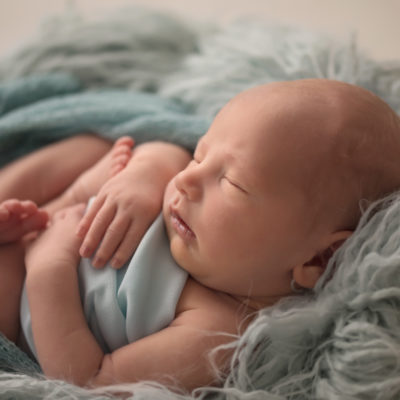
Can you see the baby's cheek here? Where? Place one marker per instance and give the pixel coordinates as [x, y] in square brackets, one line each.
[180, 253]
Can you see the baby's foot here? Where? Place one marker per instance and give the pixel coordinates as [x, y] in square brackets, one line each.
[121, 154]
[18, 218]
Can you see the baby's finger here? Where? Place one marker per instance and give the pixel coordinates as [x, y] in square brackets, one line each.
[29, 207]
[97, 229]
[88, 218]
[13, 206]
[37, 221]
[127, 247]
[111, 240]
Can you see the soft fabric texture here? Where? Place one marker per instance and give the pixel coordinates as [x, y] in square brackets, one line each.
[111, 114]
[125, 305]
[341, 341]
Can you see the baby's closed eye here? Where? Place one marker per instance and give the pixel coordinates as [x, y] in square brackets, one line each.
[233, 184]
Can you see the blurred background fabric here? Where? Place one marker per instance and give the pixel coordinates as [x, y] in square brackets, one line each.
[374, 23]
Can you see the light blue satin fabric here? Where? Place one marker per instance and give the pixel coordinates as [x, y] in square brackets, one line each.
[124, 305]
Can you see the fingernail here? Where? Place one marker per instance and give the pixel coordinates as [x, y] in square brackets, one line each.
[97, 262]
[85, 251]
[115, 263]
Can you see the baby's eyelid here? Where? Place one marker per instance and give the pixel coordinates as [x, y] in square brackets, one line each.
[233, 183]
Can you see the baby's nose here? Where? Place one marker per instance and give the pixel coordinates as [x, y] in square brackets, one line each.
[188, 183]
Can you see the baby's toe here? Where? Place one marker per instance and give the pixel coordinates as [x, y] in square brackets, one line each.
[122, 151]
[124, 141]
[4, 214]
[121, 159]
[122, 145]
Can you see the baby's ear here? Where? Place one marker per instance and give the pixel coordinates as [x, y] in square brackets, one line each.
[307, 275]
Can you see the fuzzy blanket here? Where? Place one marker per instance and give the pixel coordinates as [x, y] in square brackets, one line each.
[154, 77]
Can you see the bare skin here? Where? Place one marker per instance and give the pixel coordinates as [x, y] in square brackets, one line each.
[44, 175]
[20, 217]
[90, 180]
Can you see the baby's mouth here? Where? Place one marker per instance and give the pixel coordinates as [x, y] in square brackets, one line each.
[180, 226]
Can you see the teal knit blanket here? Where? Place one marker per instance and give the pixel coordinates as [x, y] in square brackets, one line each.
[154, 76]
[38, 110]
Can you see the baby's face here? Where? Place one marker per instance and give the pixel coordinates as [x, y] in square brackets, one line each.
[238, 216]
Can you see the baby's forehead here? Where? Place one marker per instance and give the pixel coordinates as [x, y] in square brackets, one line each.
[303, 94]
[293, 131]
[302, 121]
[316, 108]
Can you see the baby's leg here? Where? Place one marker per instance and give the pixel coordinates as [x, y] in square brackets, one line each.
[12, 274]
[45, 174]
[89, 183]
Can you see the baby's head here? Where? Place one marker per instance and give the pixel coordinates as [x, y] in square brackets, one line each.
[275, 185]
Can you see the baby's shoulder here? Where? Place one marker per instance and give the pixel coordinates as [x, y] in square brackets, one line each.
[209, 309]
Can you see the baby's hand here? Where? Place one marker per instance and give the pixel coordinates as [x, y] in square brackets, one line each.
[118, 218]
[58, 243]
[18, 218]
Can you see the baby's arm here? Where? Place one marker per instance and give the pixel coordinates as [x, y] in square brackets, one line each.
[58, 324]
[176, 355]
[129, 202]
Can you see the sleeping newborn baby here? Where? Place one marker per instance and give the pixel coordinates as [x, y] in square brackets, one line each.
[273, 189]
